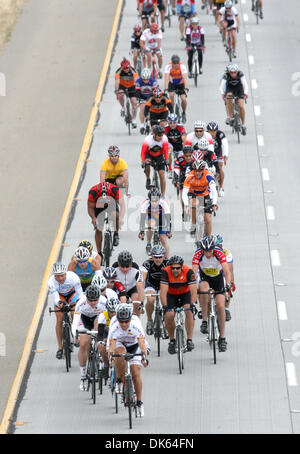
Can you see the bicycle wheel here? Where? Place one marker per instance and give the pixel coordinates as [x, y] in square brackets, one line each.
[128, 117]
[100, 377]
[157, 329]
[93, 374]
[107, 248]
[212, 337]
[67, 346]
[237, 126]
[128, 398]
[179, 346]
[195, 73]
[155, 180]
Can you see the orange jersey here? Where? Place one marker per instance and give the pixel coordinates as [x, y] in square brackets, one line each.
[178, 285]
[127, 80]
[198, 186]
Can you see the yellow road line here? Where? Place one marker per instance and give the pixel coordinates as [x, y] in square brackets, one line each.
[14, 392]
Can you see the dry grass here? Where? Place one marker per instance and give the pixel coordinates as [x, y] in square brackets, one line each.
[9, 13]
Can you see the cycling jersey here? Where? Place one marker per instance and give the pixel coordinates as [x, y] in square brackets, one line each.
[195, 37]
[148, 5]
[160, 214]
[85, 275]
[228, 83]
[95, 195]
[178, 285]
[176, 74]
[211, 159]
[175, 136]
[144, 90]
[212, 266]
[181, 170]
[203, 186]
[193, 140]
[220, 145]
[153, 273]
[128, 337]
[135, 41]
[153, 148]
[185, 7]
[151, 39]
[126, 79]
[113, 170]
[158, 107]
[70, 290]
[129, 279]
[229, 14]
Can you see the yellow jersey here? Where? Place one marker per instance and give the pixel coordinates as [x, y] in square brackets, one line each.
[113, 171]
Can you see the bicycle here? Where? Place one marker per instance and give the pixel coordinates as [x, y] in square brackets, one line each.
[128, 115]
[177, 105]
[237, 121]
[229, 44]
[168, 13]
[128, 391]
[92, 372]
[256, 11]
[112, 385]
[107, 240]
[159, 330]
[67, 339]
[180, 336]
[195, 65]
[156, 74]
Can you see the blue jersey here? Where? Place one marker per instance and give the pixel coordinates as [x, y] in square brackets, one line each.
[144, 91]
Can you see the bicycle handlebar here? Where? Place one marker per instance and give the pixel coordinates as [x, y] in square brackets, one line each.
[65, 308]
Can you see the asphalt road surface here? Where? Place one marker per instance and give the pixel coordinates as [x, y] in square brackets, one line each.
[253, 388]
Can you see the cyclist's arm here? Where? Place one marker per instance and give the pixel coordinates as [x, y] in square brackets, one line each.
[144, 150]
[72, 266]
[225, 148]
[140, 289]
[223, 87]
[238, 22]
[142, 345]
[184, 196]
[167, 79]
[91, 211]
[147, 109]
[227, 273]
[96, 265]
[193, 291]
[245, 85]
[163, 293]
[101, 331]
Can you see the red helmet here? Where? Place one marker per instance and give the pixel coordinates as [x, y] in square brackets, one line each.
[154, 28]
[137, 28]
[157, 92]
[125, 63]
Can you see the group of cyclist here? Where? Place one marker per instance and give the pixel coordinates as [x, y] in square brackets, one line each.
[110, 299]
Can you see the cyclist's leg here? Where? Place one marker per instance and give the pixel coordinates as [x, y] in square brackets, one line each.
[169, 316]
[208, 223]
[190, 60]
[137, 380]
[162, 179]
[233, 39]
[183, 102]
[229, 105]
[224, 29]
[204, 299]
[200, 59]
[181, 25]
[164, 242]
[134, 56]
[120, 362]
[59, 328]
[220, 303]
[150, 303]
[120, 96]
[189, 318]
[221, 178]
[83, 351]
[242, 110]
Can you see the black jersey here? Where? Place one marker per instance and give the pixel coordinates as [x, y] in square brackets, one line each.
[218, 142]
[153, 272]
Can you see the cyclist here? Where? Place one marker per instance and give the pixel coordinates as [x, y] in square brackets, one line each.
[162, 6]
[135, 43]
[260, 8]
[114, 169]
[146, 9]
[199, 133]
[157, 107]
[144, 90]
[155, 149]
[63, 286]
[151, 42]
[104, 320]
[234, 84]
[182, 168]
[229, 259]
[200, 183]
[110, 274]
[129, 275]
[93, 254]
[152, 269]
[221, 150]
[125, 78]
[176, 82]
[195, 37]
[105, 196]
[178, 289]
[211, 263]
[176, 135]
[89, 311]
[84, 266]
[100, 281]
[127, 336]
[157, 211]
[207, 155]
[185, 9]
[228, 19]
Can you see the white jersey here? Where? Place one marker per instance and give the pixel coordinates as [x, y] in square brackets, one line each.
[71, 284]
[83, 307]
[229, 15]
[109, 293]
[129, 336]
[151, 39]
[192, 139]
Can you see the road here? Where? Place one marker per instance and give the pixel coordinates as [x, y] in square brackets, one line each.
[254, 387]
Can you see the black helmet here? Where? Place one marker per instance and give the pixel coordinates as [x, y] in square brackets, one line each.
[175, 59]
[212, 126]
[208, 243]
[92, 292]
[159, 130]
[187, 149]
[158, 251]
[175, 259]
[154, 192]
[125, 259]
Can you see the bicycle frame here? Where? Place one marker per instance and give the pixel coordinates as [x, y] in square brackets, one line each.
[67, 339]
[93, 365]
[195, 65]
[107, 240]
[158, 319]
[154, 65]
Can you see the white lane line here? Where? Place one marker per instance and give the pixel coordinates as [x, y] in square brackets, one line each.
[270, 213]
[248, 37]
[251, 60]
[243, 2]
[260, 141]
[275, 257]
[257, 111]
[265, 174]
[246, 18]
[291, 374]
[282, 313]
[254, 84]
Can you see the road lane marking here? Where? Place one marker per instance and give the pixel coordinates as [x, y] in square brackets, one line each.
[270, 213]
[27, 350]
[248, 38]
[282, 313]
[275, 257]
[291, 374]
[257, 111]
[265, 174]
[251, 60]
[254, 84]
[260, 141]
[246, 17]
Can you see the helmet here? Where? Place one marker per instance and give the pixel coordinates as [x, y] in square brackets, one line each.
[203, 144]
[125, 259]
[59, 268]
[87, 244]
[175, 259]
[199, 124]
[113, 150]
[99, 281]
[208, 243]
[154, 28]
[110, 273]
[92, 292]
[158, 130]
[82, 254]
[212, 126]
[124, 312]
[197, 155]
[154, 192]
[112, 303]
[199, 164]
[172, 118]
[175, 59]
[228, 4]
[158, 251]
[146, 73]
[187, 149]
[195, 20]
[233, 67]
[125, 63]
[218, 239]
[157, 92]
[137, 28]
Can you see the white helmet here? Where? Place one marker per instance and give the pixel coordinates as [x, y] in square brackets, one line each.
[195, 20]
[199, 124]
[228, 4]
[112, 304]
[203, 144]
[199, 164]
[59, 268]
[146, 73]
[100, 281]
[82, 254]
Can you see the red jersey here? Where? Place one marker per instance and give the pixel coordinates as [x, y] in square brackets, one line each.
[178, 285]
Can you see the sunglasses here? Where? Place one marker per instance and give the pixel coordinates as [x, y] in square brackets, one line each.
[124, 321]
[175, 267]
[199, 130]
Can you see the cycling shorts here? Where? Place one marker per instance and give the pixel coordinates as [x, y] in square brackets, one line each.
[177, 88]
[178, 300]
[154, 117]
[160, 161]
[131, 90]
[216, 283]
[238, 90]
[207, 201]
